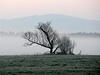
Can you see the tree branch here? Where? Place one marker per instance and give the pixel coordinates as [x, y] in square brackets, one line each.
[32, 42]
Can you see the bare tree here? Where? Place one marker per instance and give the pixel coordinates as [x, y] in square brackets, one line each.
[45, 36]
[66, 45]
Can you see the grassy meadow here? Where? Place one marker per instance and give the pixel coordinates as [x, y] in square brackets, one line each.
[50, 65]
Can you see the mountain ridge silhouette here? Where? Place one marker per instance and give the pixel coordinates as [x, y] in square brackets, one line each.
[61, 23]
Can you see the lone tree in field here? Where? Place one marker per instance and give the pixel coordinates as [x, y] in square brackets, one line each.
[45, 37]
[66, 45]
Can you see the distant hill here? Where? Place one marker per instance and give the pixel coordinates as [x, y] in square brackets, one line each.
[61, 23]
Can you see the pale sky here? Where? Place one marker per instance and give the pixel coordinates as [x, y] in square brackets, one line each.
[87, 9]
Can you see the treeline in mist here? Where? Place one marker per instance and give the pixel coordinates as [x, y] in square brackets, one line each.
[10, 33]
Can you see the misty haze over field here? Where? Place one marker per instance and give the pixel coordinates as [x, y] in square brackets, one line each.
[12, 43]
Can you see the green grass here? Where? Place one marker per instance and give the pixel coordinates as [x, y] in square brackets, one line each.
[50, 65]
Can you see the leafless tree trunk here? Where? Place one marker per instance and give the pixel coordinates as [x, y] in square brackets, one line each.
[66, 45]
[45, 36]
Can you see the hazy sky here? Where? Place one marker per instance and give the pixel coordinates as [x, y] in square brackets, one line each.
[88, 9]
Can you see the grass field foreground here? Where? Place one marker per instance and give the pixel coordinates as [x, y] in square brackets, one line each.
[50, 65]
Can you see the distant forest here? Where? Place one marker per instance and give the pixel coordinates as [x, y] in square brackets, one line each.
[95, 34]
[2, 33]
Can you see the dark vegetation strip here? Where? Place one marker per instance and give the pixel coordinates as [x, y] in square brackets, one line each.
[50, 65]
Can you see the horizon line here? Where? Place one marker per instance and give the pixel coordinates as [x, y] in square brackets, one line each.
[45, 15]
